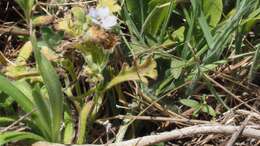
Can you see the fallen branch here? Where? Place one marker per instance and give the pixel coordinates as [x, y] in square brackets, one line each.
[13, 30]
[175, 134]
[235, 135]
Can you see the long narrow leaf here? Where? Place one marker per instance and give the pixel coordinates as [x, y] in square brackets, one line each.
[53, 86]
[43, 110]
[8, 87]
[16, 136]
[84, 115]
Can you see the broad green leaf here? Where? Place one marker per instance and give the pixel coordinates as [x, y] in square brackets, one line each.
[190, 103]
[7, 87]
[53, 85]
[213, 10]
[13, 136]
[138, 72]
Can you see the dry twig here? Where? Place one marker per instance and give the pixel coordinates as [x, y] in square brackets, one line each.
[175, 134]
[235, 135]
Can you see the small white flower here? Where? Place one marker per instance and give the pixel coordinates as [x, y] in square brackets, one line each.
[92, 12]
[108, 22]
[103, 17]
[103, 12]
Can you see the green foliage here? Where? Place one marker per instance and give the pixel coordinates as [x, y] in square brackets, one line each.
[83, 119]
[172, 48]
[55, 93]
[199, 106]
[212, 9]
[26, 6]
[10, 89]
[16, 136]
[138, 72]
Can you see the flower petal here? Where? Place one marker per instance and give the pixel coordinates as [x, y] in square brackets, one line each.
[103, 12]
[93, 13]
[109, 22]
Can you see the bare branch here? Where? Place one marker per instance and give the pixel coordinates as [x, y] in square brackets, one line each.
[175, 134]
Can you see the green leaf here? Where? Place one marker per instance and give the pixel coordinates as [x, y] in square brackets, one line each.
[42, 106]
[159, 10]
[190, 103]
[208, 109]
[53, 85]
[26, 6]
[179, 34]
[138, 72]
[13, 136]
[6, 120]
[213, 10]
[7, 87]
[69, 129]
[50, 38]
[176, 67]
[206, 30]
[83, 119]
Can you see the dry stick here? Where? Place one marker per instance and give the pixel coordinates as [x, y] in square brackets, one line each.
[230, 93]
[235, 135]
[245, 112]
[17, 121]
[162, 119]
[14, 30]
[66, 4]
[175, 134]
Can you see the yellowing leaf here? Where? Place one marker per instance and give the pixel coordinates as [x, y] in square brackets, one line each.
[139, 72]
[25, 53]
[111, 4]
[50, 55]
[65, 25]
[43, 20]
